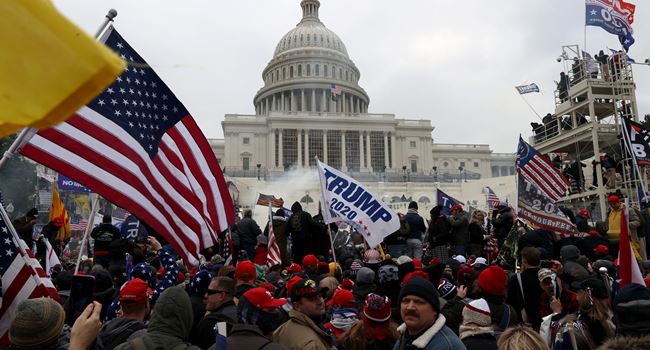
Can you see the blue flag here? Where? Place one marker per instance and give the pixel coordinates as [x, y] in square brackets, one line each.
[446, 201]
[615, 17]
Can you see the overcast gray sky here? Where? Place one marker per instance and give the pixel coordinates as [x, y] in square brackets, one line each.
[453, 62]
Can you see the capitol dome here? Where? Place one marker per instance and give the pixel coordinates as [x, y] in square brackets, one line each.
[311, 72]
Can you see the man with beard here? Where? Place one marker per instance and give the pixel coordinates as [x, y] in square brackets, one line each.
[424, 326]
[304, 329]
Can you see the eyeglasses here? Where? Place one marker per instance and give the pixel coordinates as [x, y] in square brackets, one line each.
[215, 291]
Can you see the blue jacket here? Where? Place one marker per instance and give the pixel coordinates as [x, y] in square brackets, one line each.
[438, 337]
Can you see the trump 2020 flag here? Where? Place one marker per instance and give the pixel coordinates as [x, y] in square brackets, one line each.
[345, 199]
[614, 16]
[525, 89]
[446, 201]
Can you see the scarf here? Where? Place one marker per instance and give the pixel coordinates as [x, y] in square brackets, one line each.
[344, 318]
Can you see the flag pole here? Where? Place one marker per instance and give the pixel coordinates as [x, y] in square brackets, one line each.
[91, 221]
[329, 234]
[27, 133]
[17, 241]
[531, 107]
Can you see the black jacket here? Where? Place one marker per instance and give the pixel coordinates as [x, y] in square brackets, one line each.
[204, 335]
[117, 331]
[439, 229]
[532, 295]
[104, 235]
[416, 224]
[480, 342]
[502, 220]
[248, 230]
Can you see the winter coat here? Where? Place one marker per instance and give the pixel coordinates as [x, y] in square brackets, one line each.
[301, 333]
[360, 291]
[476, 233]
[502, 221]
[483, 341]
[416, 224]
[439, 230]
[171, 323]
[248, 231]
[459, 229]
[582, 223]
[104, 235]
[243, 336]
[453, 312]
[531, 295]
[198, 308]
[116, 332]
[497, 307]
[438, 337]
[204, 335]
[25, 229]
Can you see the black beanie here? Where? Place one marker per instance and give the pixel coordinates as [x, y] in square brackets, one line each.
[422, 288]
[632, 306]
[413, 205]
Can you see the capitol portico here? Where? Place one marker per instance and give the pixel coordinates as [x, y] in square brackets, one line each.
[311, 105]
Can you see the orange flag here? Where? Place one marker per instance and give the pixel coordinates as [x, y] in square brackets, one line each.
[59, 215]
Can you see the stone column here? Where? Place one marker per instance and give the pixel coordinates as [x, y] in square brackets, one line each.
[302, 100]
[282, 102]
[323, 104]
[369, 159]
[393, 150]
[357, 107]
[280, 152]
[361, 156]
[307, 157]
[274, 103]
[271, 157]
[386, 164]
[313, 100]
[343, 104]
[293, 101]
[299, 148]
[325, 146]
[343, 160]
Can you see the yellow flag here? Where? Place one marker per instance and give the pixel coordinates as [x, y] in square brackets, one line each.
[49, 67]
[58, 214]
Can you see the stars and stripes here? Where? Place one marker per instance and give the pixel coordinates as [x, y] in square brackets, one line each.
[273, 253]
[492, 199]
[22, 277]
[137, 146]
[539, 170]
[267, 199]
[336, 91]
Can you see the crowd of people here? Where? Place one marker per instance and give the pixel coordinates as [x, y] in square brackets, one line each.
[458, 281]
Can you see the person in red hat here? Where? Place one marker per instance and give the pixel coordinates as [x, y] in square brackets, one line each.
[294, 268]
[614, 223]
[245, 274]
[257, 316]
[310, 266]
[344, 313]
[134, 303]
[304, 330]
[375, 331]
[493, 285]
[582, 220]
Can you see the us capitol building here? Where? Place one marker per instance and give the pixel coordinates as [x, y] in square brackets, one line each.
[311, 105]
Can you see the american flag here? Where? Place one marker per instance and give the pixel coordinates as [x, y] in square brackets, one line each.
[22, 277]
[492, 199]
[539, 170]
[266, 200]
[79, 226]
[336, 91]
[137, 146]
[273, 252]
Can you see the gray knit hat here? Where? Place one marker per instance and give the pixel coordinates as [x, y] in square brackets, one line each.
[365, 275]
[36, 322]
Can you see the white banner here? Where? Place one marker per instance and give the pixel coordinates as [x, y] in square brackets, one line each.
[345, 199]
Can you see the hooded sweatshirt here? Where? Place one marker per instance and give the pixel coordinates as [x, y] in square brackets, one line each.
[171, 322]
[116, 332]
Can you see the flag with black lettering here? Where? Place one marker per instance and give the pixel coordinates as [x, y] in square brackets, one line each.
[345, 199]
[446, 201]
[638, 139]
[541, 211]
